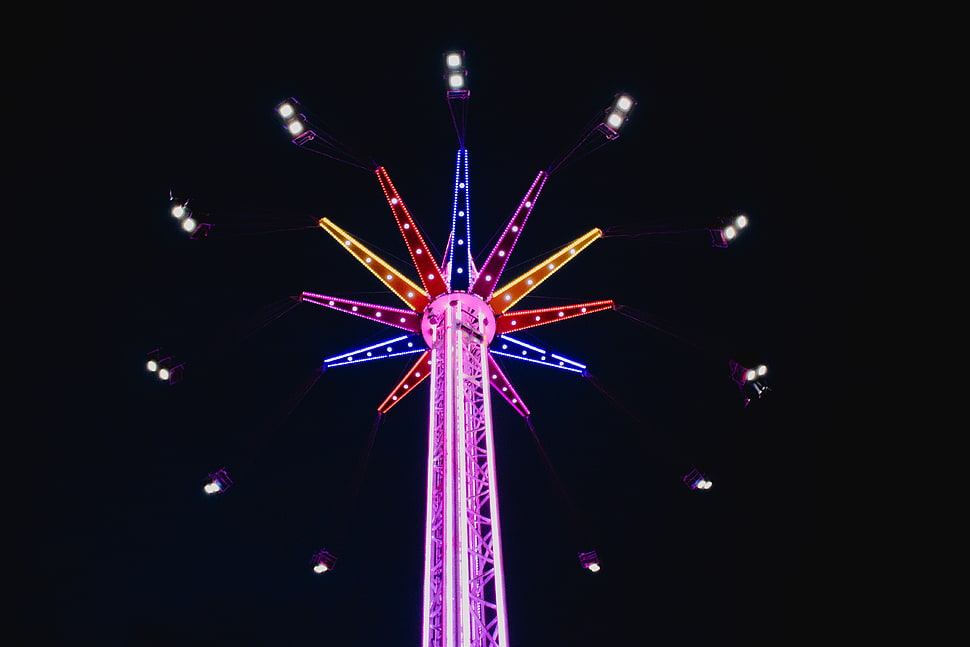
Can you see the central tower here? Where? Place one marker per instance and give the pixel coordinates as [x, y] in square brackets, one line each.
[464, 589]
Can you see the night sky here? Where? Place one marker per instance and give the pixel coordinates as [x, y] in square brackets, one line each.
[736, 111]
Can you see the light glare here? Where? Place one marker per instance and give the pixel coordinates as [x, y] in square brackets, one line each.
[286, 111]
[295, 128]
[453, 61]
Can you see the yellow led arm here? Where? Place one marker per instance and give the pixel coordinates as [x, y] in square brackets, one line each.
[399, 284]
[509, 295]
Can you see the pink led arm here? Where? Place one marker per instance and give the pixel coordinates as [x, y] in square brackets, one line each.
[522, 319]
[491, 271]
[404, 319]
[431, 277]
[502, 385]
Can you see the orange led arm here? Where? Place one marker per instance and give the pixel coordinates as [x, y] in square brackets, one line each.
[431, 277]
[509, 295]
[522, 319]
[399, 284]
[417, 374]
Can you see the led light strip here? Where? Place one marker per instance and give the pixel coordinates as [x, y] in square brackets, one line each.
[399, 284]
[491, 270]
[512, 293]
[538, 361]
[522, 319]
[404, 319]
[418, 373]
[504, 387]
[431, 277]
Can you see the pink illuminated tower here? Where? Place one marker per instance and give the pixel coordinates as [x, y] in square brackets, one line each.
[456, 317]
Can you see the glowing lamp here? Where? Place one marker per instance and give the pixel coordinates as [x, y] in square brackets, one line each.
[217, 482]
[286, 110]
[741, 221]
[729, 232]
[750, 374]
[179, 210]
[453, 60]
[617, 115]
[190, 225]
[696, 481]
[323, 562]
[152, 360]
[456, 81]
[761, 370]
[590, 561]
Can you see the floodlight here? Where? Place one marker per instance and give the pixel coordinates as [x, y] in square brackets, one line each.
[323, 562]
[762, 370]
[179, 210]
[741, 221]
[590, 561]
[624, 103]
[750, 374]
[151, 361]
[295, 128]
[286, 110]
[189, 225]
[729, 232]
[217, 482]
[614, 121]
[453, 60]
[456, 81]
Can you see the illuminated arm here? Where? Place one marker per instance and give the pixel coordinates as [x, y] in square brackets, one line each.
[508, 347]
[419, 371]
[431, 277]
[491, 271]
[403, 345]
[399, 284]
[509, 295]
[522, 319]
[404, 319]
[502, 385]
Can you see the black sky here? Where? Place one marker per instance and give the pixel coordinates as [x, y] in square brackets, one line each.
[735, 111]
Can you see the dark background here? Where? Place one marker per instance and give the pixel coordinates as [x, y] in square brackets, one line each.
[737, 110]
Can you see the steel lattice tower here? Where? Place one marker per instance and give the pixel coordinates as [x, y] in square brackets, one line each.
[457, 320]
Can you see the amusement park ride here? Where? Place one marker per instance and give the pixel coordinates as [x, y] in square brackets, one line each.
[456, 318]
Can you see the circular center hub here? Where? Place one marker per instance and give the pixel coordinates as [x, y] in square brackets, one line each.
[470, 303]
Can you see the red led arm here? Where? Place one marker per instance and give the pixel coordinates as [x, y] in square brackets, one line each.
[491, 271]
[404, 319]
[501, 384]
[417, 374]
[431, 277]
[522, 319]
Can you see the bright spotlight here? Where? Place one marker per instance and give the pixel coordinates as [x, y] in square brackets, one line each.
[624, 103]
[189, 224]
[453, 60]
[741, 221]
[164, 373]
[295, 128]
[456, 81]
[286, 110]
[730, 232]
[762, 370]
[178, 211]
[750, 374]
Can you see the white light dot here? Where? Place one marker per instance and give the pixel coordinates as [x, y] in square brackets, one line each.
[501, 253]
[394, 200]
[494, 377]
[389, 349]
[295, 128]
[561, 313]
[407, 226]
[488, 277]
[461, 214]
[525, 352]
[508, 297]
[551, 266]
[417, 251]
[367, 260]
[417, 374]
[624, 103]
[188, 225]
[178, 211]
[347, 243]
[528, 203]
[505, 388]
[163, 373]
[377, 314]
[405, 386]
[461, 185]
[410, 294]
[459, 270]
[402, 321]
[330, 303]
[286, 110]
[514, 400]
[582, 309]
[528, 281]
[504, 346]
[410, 344]
[370, 354]
[512, 322]
[538, 317]
[515, 228]
[430, 277]
[572, 251]
[354, 308]
[461, 242]
[390, 278]
[393, 397]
